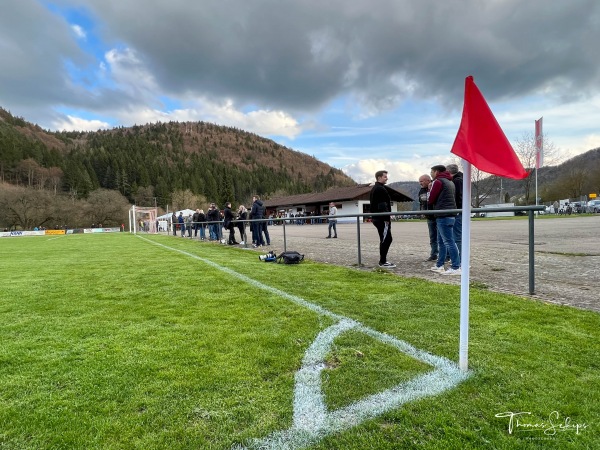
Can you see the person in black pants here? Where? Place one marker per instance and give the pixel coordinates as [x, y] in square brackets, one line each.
[228, 219]
[381, 202]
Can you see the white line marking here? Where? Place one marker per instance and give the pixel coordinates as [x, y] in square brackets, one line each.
[311, 420]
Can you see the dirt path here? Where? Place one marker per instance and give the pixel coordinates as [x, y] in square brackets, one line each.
[567, 254]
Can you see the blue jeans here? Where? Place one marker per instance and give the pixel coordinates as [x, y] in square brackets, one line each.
[213, 230]
[202, 232]
[445, 228]
[332, 225]
[433, 238]
[458, 231]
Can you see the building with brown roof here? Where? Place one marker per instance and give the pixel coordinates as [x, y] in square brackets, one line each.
[348, 200]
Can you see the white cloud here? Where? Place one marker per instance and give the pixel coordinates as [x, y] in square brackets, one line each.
[79, 31]
[71, 123]
[262, 122]
[363, 171]
[130, 74]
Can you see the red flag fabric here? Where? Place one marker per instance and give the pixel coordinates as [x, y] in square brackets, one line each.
[481, 141]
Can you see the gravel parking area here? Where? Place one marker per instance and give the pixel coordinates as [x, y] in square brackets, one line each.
[567, 254]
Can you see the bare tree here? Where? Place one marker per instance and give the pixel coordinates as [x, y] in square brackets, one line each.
[145, 196]
[106, 207]
[483, 185]
[574, 181]
[526, 150]
[187, 199]
[27, 168]
[25, 207]
[55, 177]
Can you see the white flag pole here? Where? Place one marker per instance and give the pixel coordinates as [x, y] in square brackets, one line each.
[465, 261]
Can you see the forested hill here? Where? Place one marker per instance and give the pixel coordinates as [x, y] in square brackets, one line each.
[220, 163]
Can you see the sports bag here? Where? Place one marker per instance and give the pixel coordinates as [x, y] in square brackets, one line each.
[291, 257]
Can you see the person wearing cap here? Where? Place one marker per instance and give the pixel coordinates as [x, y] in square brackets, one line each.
[441, 197]
[332, 220]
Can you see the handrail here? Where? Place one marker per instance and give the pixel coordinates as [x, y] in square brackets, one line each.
[530, 209]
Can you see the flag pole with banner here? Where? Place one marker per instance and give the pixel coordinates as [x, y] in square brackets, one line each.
[479, 142]
[539, 153]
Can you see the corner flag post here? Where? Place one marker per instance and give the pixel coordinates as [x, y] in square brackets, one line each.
[479, 142]
[465, 255]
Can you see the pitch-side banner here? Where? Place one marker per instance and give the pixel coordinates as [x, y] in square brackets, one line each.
[539, 144]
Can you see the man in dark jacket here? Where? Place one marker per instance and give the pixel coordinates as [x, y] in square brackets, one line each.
[381, 202]
[213, 217]
[257, 212]
[228, 219]
[195, 222]
[441, 197]
[425, 182]
[457, 179]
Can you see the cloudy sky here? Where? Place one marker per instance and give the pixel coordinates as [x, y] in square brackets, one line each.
[359, 84]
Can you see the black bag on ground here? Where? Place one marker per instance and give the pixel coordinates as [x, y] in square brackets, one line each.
[291, 257]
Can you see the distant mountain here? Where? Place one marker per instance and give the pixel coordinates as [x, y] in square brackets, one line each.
[214, 161]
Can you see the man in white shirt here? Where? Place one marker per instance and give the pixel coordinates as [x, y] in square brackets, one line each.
[332, 220]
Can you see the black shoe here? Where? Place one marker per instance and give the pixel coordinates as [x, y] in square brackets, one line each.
[328, 237]
[432, 258]
[335, 237]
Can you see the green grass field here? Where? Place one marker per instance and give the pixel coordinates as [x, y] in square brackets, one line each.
[113, 342]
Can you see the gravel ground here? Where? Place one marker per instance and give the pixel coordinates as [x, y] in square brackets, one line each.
[567, 254]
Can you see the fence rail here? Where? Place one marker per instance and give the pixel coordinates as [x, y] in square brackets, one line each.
[360, 218]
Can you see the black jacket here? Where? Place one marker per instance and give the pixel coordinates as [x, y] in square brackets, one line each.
[258, 210]
[457, 179]
[380, 201]
[228, 217]
[213, 215]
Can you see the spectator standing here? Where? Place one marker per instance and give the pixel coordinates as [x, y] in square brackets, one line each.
[457, 179]
[181, 222]
[256, 213]
[213, 217]
[242, 216]
[228, 219]
[332, 221]
[381, 202]
[425, 183]
[188, 224]
[202, 224]
[441, 197]
[196, 222]
[174, 223]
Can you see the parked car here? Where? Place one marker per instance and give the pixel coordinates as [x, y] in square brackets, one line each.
[593, 206]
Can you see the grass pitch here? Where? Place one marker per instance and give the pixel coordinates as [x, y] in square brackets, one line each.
[112, 342]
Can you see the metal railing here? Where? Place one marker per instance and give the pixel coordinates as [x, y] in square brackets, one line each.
[530, 210]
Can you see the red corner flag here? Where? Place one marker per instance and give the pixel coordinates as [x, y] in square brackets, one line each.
[481, 141]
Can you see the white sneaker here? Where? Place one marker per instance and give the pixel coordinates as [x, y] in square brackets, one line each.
[452, 271]
[387, 265]
[242, 243]
[437, 269]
